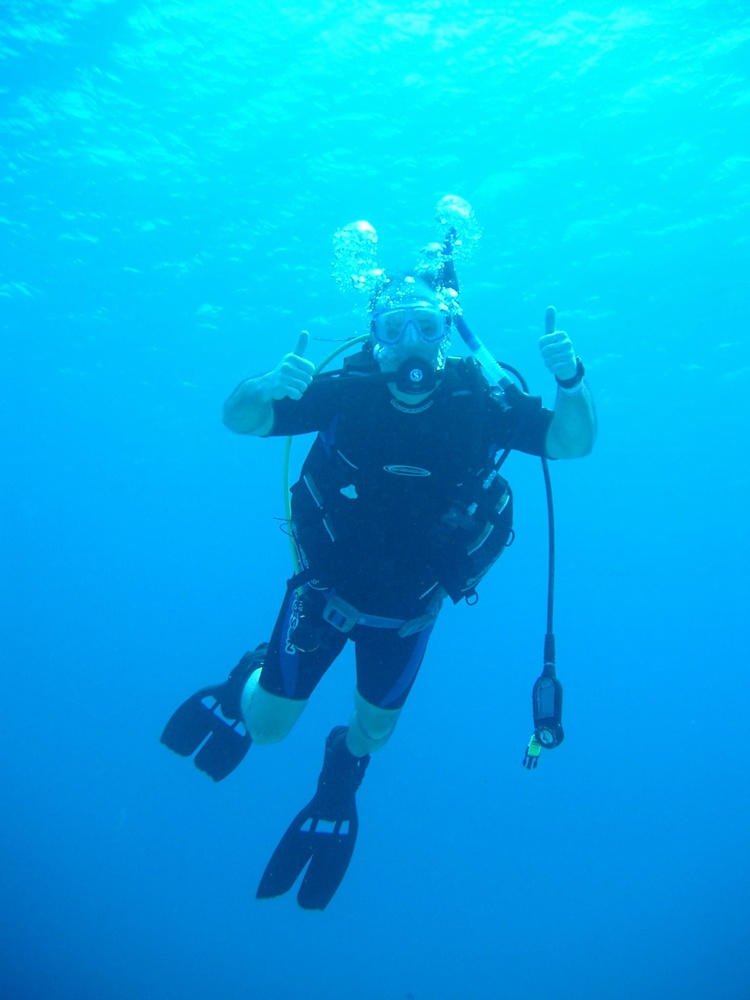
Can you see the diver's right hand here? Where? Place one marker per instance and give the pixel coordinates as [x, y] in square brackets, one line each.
[293, 374]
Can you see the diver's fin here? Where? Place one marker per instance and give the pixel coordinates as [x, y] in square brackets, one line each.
[323, 833]
[199, 720]
[210, 721]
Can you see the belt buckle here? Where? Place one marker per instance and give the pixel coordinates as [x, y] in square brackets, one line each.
[340, 614]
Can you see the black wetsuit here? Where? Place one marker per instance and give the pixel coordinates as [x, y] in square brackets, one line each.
[396, 505]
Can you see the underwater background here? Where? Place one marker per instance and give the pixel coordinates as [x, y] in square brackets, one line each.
[171, 177]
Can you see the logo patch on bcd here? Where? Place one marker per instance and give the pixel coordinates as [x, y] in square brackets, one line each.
[406, 470]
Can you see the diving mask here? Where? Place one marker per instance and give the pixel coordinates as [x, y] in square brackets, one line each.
[390, 326]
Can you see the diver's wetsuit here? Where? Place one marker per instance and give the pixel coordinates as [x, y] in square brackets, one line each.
[392, 511]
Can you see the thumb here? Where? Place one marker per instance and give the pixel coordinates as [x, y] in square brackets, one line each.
[549, 320]
[302, 341]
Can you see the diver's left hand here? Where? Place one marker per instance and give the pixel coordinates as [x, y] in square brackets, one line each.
[557, 349]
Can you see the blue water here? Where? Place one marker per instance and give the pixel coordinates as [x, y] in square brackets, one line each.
[171, 177]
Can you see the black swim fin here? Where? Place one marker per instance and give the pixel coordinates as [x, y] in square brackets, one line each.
[323, 833]
[211, 722]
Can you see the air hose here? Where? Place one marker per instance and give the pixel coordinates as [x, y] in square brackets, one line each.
[547, 694]
[288, 448]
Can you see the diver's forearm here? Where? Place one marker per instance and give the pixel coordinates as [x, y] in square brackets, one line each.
[572, 431]
[249, 409]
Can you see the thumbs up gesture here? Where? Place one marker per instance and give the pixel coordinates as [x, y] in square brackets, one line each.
[293, 374]
[557, 349]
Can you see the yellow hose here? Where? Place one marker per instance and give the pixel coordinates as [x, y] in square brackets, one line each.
[288, 449]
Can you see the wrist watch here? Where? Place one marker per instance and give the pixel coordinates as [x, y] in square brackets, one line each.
[575, 381]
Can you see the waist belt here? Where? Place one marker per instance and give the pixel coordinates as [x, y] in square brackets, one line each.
[344, 616]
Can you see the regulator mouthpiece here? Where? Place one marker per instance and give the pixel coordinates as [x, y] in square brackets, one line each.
[415, 376]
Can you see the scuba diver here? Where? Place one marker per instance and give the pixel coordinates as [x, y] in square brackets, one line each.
[399, 506]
